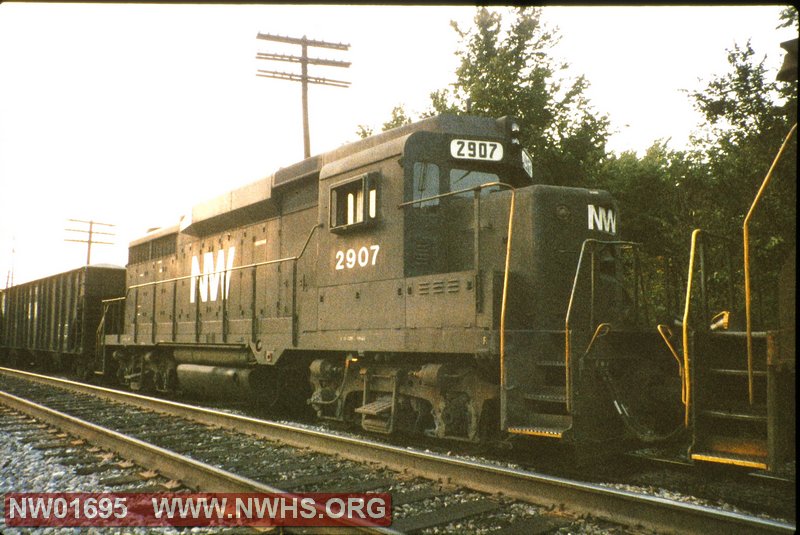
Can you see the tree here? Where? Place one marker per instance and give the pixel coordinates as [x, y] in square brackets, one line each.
[665, 195]
[647, 190]
[364, 131]
[399, 118]
[512, 73]
[747, 114]
[653, 214]
[788, 18]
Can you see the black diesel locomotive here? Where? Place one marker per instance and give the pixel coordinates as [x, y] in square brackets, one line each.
[418, 281]
[415, 281]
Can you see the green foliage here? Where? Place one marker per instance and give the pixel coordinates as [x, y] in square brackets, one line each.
[506, 68]
[665, 194]
[441, 102]
[364, 131]
[747, 114]
[789, 18]
[649, 196]
[513, 73]
[399, 118]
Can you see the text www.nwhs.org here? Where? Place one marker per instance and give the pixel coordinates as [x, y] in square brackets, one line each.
[72, 509]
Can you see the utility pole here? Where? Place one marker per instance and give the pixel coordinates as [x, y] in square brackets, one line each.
[91, 232]
[304, 78]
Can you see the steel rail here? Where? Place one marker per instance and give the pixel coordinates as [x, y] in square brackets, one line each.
[198, 475]
[201, 476]
[619, 506]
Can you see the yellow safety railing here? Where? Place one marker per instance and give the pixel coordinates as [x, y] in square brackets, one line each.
[746, 245]
[686, 388]
[666, 335]
[719, 321]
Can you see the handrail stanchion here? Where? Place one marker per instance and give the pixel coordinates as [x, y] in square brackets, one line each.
[685, 328]
[567, 349]
[746, 240]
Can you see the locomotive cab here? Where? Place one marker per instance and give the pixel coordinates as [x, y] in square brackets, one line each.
[403, 294]
[448, 280]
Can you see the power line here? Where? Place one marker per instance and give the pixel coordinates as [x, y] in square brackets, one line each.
[303, 77]
[91, 232]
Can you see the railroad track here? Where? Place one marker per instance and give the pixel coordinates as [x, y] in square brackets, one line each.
[428, 490]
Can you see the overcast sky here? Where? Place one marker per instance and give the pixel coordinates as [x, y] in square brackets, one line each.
[130, 114]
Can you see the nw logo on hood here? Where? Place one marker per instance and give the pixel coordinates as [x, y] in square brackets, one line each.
[602, 219]
[208, 281]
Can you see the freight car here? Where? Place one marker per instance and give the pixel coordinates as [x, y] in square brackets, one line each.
[52, 322]
[418, 281]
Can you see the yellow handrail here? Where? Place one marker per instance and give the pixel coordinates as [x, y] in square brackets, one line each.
[687, 384]
[505, 291]
[746, 239]
[602, 330]
[666, 334]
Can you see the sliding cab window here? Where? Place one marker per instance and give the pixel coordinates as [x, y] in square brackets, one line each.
[425, 184]
[354, 203]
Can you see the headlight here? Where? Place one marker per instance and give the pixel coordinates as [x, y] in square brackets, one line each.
[527, 163]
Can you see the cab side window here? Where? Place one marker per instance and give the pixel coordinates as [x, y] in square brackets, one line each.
[425, 184]
[423, 221]
[354, 203]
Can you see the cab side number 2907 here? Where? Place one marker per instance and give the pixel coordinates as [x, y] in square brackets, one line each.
[350, 258]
